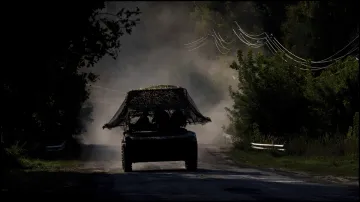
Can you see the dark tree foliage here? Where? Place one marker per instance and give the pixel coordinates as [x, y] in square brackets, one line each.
[318, 29]
[267, 97]
[276, 97]
[52, 44]
[273, 15]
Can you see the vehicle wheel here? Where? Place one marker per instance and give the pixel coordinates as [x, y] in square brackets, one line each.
[192, 162]
[126, 162]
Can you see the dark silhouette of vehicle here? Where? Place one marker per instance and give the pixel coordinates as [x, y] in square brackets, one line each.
[154, 121]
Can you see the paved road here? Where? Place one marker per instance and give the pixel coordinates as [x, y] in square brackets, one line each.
[216, 180]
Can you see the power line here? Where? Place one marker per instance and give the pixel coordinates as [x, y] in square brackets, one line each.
[219, 40]
[320, 61]
[217, 46]
[224, 40]
[251, 36]
[197, 44]
[201, 39]
[272, 43]
[274, 46]
[247, 42]
[282, 48]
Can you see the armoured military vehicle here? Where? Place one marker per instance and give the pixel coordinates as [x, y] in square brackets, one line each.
[154, 123]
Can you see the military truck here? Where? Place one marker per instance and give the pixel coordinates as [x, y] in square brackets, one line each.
[154, 123]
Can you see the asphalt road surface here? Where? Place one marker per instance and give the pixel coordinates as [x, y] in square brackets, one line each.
[216, 180]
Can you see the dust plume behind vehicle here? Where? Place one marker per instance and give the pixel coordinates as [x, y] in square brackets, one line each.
[154, 54]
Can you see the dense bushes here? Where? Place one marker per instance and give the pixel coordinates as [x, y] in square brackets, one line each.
[278, 101]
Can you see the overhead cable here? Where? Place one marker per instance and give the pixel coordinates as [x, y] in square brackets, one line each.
[326, 60]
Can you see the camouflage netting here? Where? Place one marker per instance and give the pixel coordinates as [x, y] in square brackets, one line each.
[164, 97]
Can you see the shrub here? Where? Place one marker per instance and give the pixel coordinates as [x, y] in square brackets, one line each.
[277, 102]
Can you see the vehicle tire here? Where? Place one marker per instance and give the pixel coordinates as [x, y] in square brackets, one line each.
[126, 161]
[191, 163]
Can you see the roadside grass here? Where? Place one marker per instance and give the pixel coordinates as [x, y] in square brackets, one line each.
[325, 156]
[15, 158]
[23, 173]
[48, 165]
[345, 166]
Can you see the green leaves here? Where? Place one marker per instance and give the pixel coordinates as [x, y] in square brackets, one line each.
[281, 99]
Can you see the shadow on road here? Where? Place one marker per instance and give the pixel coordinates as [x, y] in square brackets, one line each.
[167, 184]
[201, 171]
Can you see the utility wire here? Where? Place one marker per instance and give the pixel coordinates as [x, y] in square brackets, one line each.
[224, 40]
[274, 46]
[320, 61]
[255, 37]
[277, 43]
[246, 42]
[197, 44]
[304, 64]
[219, 40]
[199, 40]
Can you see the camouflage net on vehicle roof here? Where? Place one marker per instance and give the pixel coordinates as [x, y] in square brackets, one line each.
[164, 97]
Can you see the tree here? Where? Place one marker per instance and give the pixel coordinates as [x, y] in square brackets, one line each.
[334, 97]
[273, 14]
[276, 97]
[45, 89]
[264, 83]
[317, 29]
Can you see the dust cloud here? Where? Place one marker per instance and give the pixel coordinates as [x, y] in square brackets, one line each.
[155, 54]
